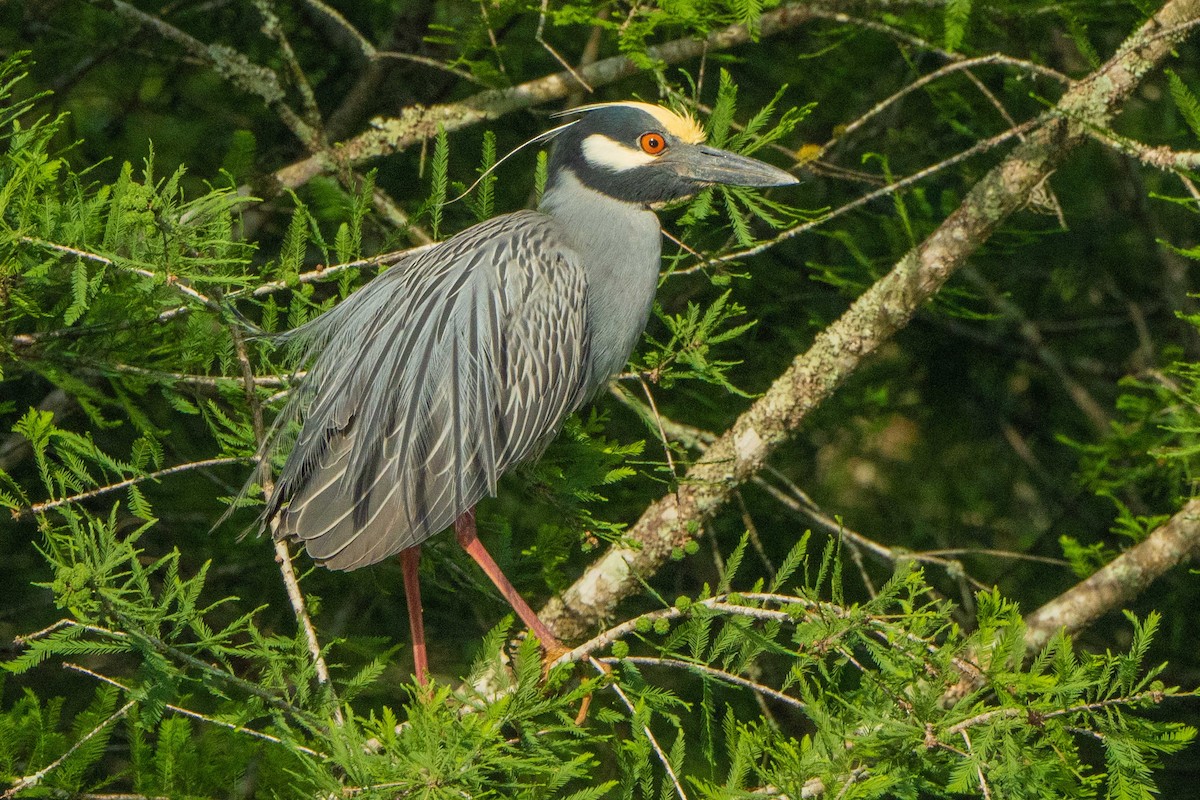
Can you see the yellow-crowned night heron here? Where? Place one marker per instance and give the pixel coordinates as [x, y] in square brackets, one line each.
[454, 365]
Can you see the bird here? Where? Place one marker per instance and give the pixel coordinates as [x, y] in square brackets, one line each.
[461, 361]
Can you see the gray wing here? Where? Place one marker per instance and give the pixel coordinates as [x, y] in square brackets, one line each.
[427, 384]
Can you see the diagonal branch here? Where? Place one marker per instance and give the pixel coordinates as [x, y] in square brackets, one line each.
[39, 508]
[738, 454]
[30, 781]
[1120, 580]
[229, 64]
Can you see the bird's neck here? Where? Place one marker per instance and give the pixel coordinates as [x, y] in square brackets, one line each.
[619, 245]
[588, 213]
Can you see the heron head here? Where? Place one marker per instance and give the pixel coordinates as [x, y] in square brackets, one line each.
[646, 154]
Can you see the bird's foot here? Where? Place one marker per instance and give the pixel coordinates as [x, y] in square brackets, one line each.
[551, 653]
[605, 670]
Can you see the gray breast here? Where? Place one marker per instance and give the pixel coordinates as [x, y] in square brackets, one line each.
[620, 247]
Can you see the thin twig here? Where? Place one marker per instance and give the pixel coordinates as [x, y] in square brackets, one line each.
[202, 381]
[283, 556]
[273, 28]
[752, 534]
[860, 565]
[705, 669]
[682, 246]
[666, 443]
[985, 551]
[800, 503]
[983, 784]
[25, 638]
[1153, 695]
[103, 490]
[430, 62]
[174, 281]
[201, 717]
[364, 45]
[662, 756]
[29, 781]
[540, 39]
[718, 603]
[324, 273]
[24, 340]
[949, 69]
[591, 51]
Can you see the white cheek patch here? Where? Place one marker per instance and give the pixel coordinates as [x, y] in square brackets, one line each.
[605, 153]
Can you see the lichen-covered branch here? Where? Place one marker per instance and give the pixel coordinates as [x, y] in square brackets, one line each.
[1120, 580]
[875, 317]
[230, 65]
[416, 123]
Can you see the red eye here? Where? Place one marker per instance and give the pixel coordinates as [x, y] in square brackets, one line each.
[652, 143]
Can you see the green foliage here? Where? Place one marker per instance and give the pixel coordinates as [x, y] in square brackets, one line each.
[1185, 101]
[1151, 454]
[194, 670]
[740, 206]
[574, 476]
[152, 657]
[686, 355]
[958, 14]
[440, 181]
[483, 202]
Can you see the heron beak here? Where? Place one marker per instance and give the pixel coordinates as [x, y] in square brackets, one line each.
[705, 164]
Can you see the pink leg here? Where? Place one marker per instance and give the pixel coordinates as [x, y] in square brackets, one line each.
[464, 530]
[409, 559]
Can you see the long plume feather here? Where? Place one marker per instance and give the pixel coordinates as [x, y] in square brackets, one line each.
[545, 136]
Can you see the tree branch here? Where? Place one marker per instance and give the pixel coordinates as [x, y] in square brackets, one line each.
[874, 318]
[39, 508]
[1120, 580]
[416, 123]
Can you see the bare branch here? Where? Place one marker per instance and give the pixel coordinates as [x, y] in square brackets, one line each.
[1119, 581]
[38, 508]
[230, 65]
[705, 669]
[273, 28]
[198, 716]
[283, 555]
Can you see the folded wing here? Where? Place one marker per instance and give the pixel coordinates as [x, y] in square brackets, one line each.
[427, 384]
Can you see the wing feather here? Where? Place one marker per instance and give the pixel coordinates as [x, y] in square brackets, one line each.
[430, 382]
